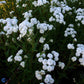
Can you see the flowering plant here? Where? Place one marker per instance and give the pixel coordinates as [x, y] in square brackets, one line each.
[43, 41]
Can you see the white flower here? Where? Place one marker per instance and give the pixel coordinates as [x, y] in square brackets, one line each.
[42, 72]
[19, 52]
[24, 5]
[44, 61]
[10, 58]
[38, 55]
[40, 2]
[50, 62]
[42, 39]
[82, 22]
[30, 31]
[40, 59]
[34, 3]
[38, 76]
[50, 68]
[56, 58]
[81, 59]
[18, 58]
[15, 28]
[70, 46]
[51, 80]
[46, 80]
[2, 2]
[44, 1]
[46, 47]
[41, 31]
[73, 59]
[61, 65]
[75, 39]
[71, 32]
[22, 64]
[34, 21]
[41, 83]
[51, 40]
[51, 19]
[43, 55]
[14, 21]
[25, 56]
[48, 76]
[56, 54]
[44, 67]
[50, 55]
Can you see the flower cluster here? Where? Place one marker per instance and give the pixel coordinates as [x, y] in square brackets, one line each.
[44, 27]
[39, 74]
[39, 2]
[48, 79]
[70, 31]
[70, 46]
[10, 25]
[48, 63]
[26, 26]
[80, 52]
[58, 11]
[57, 14]
[17, 58]
[80, 15]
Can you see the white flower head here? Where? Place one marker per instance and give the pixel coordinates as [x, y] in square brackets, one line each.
[40, 59]
[74, 59]
[42, 39]
[49, 55]
[44, 66]
[42, 72]
[10, 58]
[46, 47]
[70, 46]
[38, 55]
[61, 65]
[50, 62]
[45, 61]
[18, 58]
[22, 64]
[50, 68]
[48, 79]
[19, 52]
[41, 83]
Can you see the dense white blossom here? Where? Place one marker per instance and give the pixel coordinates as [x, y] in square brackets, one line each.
[70, 32]
[10, 25]
[80, 15]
